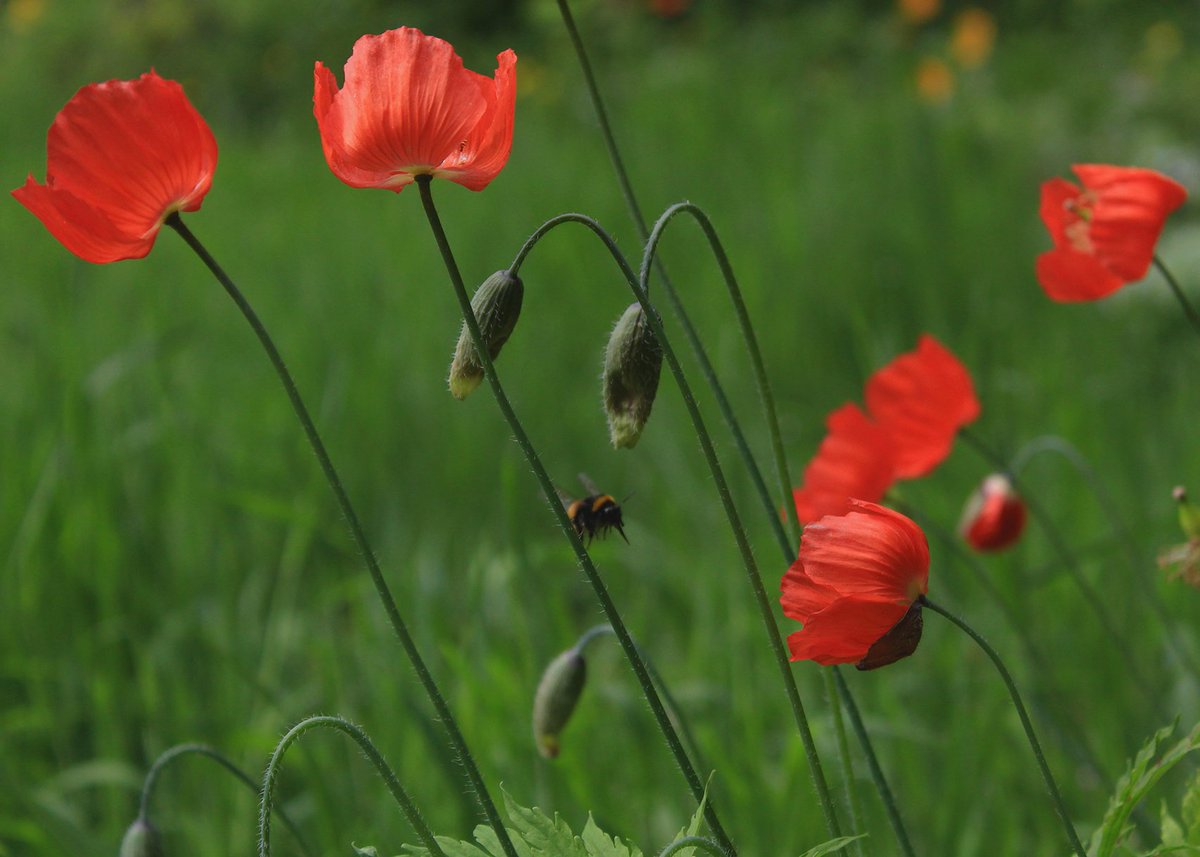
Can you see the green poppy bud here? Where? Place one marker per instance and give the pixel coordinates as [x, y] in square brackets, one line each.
[557, 692]
[141, 840]
[632, 365]
[497, 305]
[1189, 513]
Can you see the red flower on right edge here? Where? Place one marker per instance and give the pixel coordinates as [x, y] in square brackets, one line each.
[1105, 231]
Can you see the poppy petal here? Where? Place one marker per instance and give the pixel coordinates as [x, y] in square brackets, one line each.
[844, 632]
[1068, 276]
[922, 399]
[121, 156]
[408, 107]
[854, 460]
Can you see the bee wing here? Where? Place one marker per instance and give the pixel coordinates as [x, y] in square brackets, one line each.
[589, 485]
[565, 498]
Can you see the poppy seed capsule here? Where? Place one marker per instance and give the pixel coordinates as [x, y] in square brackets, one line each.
[497, 306]
[557, 692]
[632, 365]
[141, 840]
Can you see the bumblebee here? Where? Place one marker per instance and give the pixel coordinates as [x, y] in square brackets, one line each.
[595, 514]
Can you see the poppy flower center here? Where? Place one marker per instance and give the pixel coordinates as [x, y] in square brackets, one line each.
[1079, 215]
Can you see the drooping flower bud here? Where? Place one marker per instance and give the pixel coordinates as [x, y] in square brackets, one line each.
[497, 306]
[632, 365]
[994, 515]
[1182, 562]
[557, 693]
[141, 840]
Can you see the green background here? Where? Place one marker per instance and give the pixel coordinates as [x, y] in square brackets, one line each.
[173, 568]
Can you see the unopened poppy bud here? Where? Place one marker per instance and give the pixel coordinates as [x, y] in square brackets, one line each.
[497, 306]
[557, 692]
[1189, 513]
[141, 840]
[994, 515]
[632, 365]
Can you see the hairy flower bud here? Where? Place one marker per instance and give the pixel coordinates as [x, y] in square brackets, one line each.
[497, 306]
[141, 840]
[994, 515]
[632, 364]
[557, 692]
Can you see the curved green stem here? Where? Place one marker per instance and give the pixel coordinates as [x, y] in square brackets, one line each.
[548, 490]
[1051, 785]
[751, 340]
[172, 753]
[672, 706]
[1071, 563]
[457, 741]
[694, 842]
[271, 775]
[638, 286]
[749, 564]
[1188, 310]
[885, 793]
[701, 354]
[769, 509]
[1059, 446]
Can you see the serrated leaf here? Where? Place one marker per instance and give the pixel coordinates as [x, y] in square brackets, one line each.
[832, 846]
[454, 847]
[1172, 830]
[490, 841]
[546, 837]
[600, 844]
[1149, 766]
[1190, 810]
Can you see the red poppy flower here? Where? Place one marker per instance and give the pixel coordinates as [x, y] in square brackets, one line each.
[854, 460]
[1104, 233]
[855, 587]
[994, 516]
[409, 108]
[121, 156]
[922, 399]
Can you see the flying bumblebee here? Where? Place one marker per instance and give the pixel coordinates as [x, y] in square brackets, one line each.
[595, 514]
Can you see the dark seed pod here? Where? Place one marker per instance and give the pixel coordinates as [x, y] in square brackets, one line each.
[497, 306]
[632, 365]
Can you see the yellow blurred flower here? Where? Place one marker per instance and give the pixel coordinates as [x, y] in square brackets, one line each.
[918, 11]
[934, 80]
[973, 37]
[23, 14]
[1163, 42]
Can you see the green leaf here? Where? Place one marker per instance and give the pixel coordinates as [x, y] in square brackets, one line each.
[1149, 766]
[456, 848]
[1191, 810]
[546, 837]
[600, 844]
[831, 846]
[1172, 830]
[368, 851]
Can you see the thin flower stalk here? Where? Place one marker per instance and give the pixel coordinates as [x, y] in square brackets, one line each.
[635, 212]
[457, 741]
[885, 792]
[1059, 446]
[749, 564]
[1071, 563]
[756, 359]
[548, 490]
[339, 724]
[753, 576]
[668, 698]
[172, 753]
[1188, 310]
[1026, 724]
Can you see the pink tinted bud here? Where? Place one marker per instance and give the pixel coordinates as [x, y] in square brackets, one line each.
[994, 516]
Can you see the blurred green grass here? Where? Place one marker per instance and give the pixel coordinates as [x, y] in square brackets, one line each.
[174, 567]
